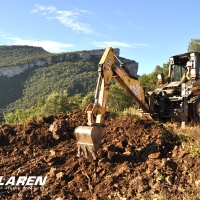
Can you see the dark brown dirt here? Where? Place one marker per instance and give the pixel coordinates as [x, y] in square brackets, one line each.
[138, 159]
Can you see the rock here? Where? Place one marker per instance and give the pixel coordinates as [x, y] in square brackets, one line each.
[52, 172]
[58, 127]
[60, 175]
[154, 155]
[53, 153]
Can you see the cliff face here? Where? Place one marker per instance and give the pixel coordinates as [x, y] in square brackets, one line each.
[11, 71]
[133, 68]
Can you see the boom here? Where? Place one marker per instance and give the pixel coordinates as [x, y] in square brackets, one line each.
[108, 70]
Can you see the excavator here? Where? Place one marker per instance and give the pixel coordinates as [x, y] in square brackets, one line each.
[177, 98]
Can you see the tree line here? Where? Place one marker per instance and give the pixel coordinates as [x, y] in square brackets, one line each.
[60, 102]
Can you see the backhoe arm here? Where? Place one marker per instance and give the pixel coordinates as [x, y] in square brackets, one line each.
[107, 70]
[131, 85]
[105, 75]
[89, 137]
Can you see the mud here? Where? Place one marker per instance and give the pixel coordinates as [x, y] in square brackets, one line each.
[138, 159]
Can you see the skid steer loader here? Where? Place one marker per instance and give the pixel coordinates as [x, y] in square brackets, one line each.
[178, 98]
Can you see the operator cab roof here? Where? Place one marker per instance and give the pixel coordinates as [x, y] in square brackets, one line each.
[182, 59]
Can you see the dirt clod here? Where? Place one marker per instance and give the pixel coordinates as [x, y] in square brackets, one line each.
[138, 159]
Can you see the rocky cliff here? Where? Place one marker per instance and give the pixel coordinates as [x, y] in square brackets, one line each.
[10, 71]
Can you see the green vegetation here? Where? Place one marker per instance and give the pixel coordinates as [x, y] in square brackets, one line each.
[18, 55]
[55, 103]
[194, 45]
[24, 90]
[61, 76]
[149, 81]
[189, 138]
[119, 102]
[60, 102]
[63, 72]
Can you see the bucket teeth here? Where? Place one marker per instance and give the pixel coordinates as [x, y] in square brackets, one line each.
[88, 140]
[84, 149]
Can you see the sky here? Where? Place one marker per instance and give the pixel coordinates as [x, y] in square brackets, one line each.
[147, 31]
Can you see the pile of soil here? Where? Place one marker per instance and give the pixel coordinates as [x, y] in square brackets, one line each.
[138, 159]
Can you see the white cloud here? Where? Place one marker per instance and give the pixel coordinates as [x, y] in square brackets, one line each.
[51, 46]
[139, 45]
[134, 25]
[69, 18]
[39, 8]
[5, 35]
[117, 44]
[112, 44]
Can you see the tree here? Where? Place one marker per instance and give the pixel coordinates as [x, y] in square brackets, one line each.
[19, 116]
[194, 45]
[75, 101]
[57, 102]
[149, 81]
[89, 98]
[118, 99]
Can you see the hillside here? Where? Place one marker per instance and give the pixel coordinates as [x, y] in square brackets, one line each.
[18, 55]
[30, 73]
[75, 78]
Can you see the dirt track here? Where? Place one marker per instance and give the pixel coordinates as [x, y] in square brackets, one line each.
[138, 159]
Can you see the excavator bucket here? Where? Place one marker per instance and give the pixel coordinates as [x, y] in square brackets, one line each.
[88, 139]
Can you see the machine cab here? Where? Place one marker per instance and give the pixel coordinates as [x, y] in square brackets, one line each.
[178, 66]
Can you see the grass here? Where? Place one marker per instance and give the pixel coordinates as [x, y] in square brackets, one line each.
[189, 136]
[126, 112]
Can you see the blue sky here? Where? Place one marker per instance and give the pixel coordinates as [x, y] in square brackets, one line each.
[147, 31]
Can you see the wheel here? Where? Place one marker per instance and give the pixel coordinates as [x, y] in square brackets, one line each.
[194, 109]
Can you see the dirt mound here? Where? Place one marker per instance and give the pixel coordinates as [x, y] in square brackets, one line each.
[138, 159]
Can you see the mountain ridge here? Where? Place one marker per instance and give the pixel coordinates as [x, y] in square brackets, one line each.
[30, 77]
[84, 55]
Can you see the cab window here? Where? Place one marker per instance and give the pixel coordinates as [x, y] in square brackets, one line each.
[178, 72]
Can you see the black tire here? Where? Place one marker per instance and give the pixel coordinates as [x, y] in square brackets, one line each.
[194, 109]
